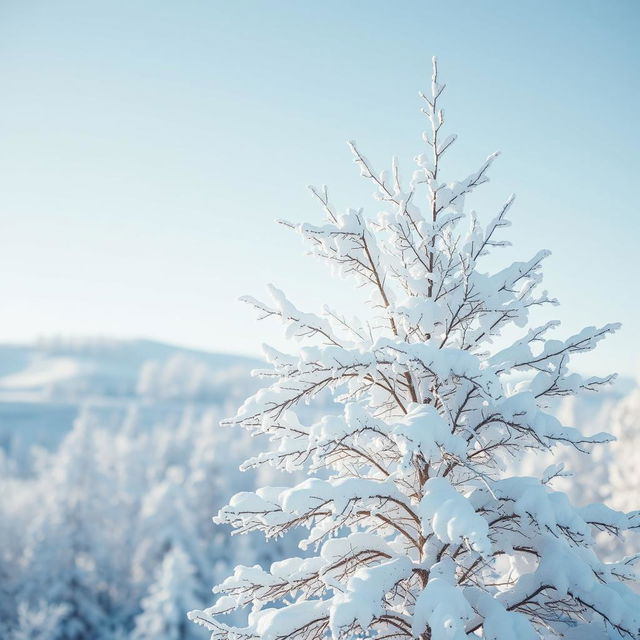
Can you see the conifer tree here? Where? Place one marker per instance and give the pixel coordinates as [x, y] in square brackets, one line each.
[609, 474]
[624, 482]
[173, 591]
[416, 528]
[66, 542]
[42, 622]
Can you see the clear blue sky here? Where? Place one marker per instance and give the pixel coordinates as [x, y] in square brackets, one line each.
[146, 148]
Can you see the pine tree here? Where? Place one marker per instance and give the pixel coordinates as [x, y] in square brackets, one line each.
[42, 622]
[165, 523]
[66, 542]
[164, 609]
[609, 473]
[625, 423]
[418, 529]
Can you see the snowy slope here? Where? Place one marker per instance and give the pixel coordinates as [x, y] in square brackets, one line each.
[68, 369]
[44, 385]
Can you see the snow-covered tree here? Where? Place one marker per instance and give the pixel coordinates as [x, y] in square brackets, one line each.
[66, 544]
[624, 482]
[416, 526]
[607, 474]
[43, 622]
[173, 592]
[84, 532]
[165, 523]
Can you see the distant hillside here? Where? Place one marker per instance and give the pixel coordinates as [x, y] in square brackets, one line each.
[74, 370]
[44, 385]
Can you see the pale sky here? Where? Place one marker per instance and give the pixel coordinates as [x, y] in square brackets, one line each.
[147, 147]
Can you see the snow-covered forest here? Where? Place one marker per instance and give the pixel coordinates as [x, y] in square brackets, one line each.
[112, 461]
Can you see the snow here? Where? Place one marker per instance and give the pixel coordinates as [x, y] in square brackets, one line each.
[452, 517]
[441, 606]
[365, 593]
[42, 373]
[271, 624]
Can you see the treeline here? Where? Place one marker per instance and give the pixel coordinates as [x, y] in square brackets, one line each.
[112, 536]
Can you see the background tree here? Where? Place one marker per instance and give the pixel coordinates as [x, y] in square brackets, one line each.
[84, 532]
[624, 486]
[609, 473]
[43, 622]
[174, 590]
[417, 529]
[66, 545]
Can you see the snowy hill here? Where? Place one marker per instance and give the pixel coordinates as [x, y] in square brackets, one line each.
[44, 385]
[70, 369]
